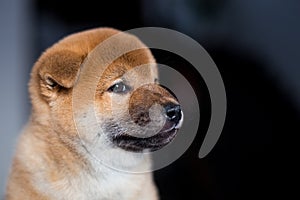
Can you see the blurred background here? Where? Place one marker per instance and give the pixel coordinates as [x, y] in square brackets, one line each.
[255, 46]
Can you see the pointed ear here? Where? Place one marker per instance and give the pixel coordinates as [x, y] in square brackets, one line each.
[60, 68]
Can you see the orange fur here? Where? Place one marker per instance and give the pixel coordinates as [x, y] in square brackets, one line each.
[50, 162]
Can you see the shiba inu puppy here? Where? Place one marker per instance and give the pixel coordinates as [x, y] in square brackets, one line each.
[65, 152]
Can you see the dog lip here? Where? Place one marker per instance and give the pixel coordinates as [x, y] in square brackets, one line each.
[153, 143]
[168, 129]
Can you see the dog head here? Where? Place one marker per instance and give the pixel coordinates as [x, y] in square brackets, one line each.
[133, 112]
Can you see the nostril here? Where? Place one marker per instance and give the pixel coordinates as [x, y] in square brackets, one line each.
[173, 113]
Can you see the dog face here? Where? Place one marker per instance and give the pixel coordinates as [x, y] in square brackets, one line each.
[127, 93]
[133, 112]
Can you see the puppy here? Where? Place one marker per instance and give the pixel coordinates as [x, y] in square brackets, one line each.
[96, 116]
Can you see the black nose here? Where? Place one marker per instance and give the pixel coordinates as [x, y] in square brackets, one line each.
[173, 113]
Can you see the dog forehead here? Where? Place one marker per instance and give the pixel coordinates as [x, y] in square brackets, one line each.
[117, 54]
[138, 61]
[140, 71]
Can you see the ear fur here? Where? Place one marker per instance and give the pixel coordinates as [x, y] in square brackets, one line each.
[60, 68]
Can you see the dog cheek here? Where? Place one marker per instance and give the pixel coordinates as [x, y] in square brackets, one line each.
[103, 106]
[62, 117]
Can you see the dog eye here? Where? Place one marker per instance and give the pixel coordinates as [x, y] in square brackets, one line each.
[118, 88]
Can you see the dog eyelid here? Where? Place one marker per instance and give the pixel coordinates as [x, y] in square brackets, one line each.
[119, 87]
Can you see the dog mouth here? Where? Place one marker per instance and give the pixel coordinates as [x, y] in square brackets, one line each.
[131, 140]
[152, 143]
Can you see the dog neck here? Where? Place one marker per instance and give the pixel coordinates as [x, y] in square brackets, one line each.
[60, 170]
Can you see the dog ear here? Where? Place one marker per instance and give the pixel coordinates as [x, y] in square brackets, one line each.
[57, 70]
[60, 68]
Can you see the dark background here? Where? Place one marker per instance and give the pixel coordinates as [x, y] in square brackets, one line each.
[255, 46]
